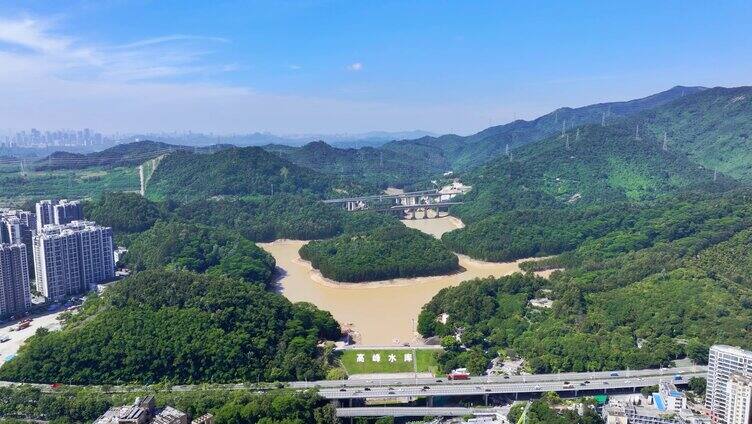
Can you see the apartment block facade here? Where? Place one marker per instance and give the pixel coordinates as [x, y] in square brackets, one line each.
[72, 258]
[15, 294]
[723, 363]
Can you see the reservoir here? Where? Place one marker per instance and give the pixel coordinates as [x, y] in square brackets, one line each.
[383, 313]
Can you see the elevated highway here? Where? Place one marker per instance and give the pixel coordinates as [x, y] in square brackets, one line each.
[416, 411]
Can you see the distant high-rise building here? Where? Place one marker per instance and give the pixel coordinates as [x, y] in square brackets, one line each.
[724, 362]
[15, 295]
[58, 212]
[44, 214]
[72, 258]
[66, 211]
[739, 404]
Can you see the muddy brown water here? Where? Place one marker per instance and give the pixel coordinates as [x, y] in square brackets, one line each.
[383, 313]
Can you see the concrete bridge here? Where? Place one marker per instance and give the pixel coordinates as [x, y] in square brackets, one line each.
[406, 205]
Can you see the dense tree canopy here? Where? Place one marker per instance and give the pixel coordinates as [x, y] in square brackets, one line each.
[124, 212]
[180, 327]
[199, 248]
[667, 284]
[84, 405]
[267, 218]
[185, 176]
[386, 252]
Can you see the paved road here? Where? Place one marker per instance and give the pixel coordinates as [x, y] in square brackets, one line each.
[378, 411]
[560, 377]
[574, 384]
[17, 338]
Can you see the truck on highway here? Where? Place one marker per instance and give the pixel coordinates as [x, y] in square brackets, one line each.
[459, 374]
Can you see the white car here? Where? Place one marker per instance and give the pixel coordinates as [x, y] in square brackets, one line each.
[4, 338]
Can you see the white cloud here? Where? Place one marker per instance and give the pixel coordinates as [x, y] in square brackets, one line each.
[51, 80]
[294, 67]
[357, 66]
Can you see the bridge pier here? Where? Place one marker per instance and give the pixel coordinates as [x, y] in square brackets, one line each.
[485, 399]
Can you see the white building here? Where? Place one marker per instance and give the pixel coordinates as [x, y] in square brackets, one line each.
[15, 296]
[72, 258]
[739, 400]
[723, 362]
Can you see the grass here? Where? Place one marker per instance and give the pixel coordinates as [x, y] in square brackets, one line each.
[16, 187]
[423, 360]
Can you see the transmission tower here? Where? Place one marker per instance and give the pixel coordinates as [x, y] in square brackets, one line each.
[577, 136]
[603, 119]
[563, 127]
[567, 142]
[637, 133]
[665, 141]
[715, 175]
[506, 149]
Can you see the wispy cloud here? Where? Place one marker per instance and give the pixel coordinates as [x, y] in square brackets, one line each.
[294, 67]
[357, 66]
[36, 43]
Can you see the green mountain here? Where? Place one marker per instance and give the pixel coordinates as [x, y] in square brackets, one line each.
[180, 327]
[184, 175]
[714, 128]
[467, 152]
[127, 154]
[378, 167]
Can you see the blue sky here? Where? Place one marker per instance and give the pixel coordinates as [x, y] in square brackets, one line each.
[349, 66]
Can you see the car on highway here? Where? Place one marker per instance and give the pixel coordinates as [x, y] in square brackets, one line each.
[4, 338]
[537, 387]
[368, 389]
[614, 374]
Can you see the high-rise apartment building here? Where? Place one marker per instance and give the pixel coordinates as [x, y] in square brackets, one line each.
[739, 405]
[724, 362]
[72, 258]
[18, 226]
[58, 212]
[15, 296]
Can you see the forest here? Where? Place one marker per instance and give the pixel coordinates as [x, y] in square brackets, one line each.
[199, 248]
[237, 172]
[380, 254]
[179, 327]
[543, 411]
[83, 405]
[667, 286]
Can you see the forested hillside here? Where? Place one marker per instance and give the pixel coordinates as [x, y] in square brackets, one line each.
[713, 127]
[126, 213]
[186, 176]
[128, 154]
[467, 152]
[378, 167]
[267, 218]
[200, 248]
[387, 252]
[179, 327]
[659, 286]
